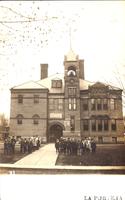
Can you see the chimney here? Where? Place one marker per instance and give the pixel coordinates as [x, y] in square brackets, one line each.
[81, 69]
[44, 70]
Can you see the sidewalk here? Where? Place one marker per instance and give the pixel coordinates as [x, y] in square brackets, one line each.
[45, 156]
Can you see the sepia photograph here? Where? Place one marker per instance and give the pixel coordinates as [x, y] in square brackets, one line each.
[62, 88]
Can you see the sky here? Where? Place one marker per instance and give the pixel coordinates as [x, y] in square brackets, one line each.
[34, 32]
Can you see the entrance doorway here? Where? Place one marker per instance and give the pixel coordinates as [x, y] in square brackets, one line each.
[55, 132]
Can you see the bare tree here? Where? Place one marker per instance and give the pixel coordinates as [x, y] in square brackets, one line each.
[4, 126]
[118, 80]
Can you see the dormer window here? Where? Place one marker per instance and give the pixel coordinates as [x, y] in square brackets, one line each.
[56, 83]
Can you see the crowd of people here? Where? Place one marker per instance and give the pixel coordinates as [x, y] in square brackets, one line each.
[71, 146]
[27, 145]
[67, 146]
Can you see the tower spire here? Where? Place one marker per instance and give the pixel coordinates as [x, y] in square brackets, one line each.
[71, 56]
[70, 37]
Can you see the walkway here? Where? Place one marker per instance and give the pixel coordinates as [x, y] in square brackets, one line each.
[45, 156]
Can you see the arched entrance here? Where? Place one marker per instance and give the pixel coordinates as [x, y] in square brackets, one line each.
[55, 132]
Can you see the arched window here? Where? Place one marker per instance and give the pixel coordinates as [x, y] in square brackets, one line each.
[35, 119]
[71, 71]
[20, 119]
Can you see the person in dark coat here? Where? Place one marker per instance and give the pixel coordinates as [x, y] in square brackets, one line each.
[25, 145]
[38, 143]
[93, 145]
[13, 142]
[57, 144]
[6, 147]
[22, 145]
[30, 145]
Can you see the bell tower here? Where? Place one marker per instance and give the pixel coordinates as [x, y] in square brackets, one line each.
[72, 74]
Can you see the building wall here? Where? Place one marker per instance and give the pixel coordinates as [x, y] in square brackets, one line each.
[28, 109]
[109, 114]
[27, 128]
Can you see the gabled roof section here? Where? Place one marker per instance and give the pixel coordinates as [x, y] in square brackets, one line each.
[85, 85]
[56, 78]
[47, 83]
[104, 85]
[30, 85]
[98, 85]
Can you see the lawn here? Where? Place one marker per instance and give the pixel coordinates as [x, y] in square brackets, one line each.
[105, 155]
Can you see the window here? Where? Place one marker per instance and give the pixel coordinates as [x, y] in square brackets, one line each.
[36, 119]
[56, 83]
[99, 106]
[93, 124]
[20, 99]
[19, 119]
[59, 83]
[72, 104]
[113, 125]
[56, 104]
[85, 125]
[85, 104]
[72, 91]
[72, 123]
[71, 73]
[60, 104]
[36, 98]
[72, 70]
[53, 84]
[106, 125]
[93, 103]
[99, 125]
[113, 104]
[105, 104]
[51, 104]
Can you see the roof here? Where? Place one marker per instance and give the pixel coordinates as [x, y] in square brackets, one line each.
[30, 85]
[102, 85]
[84, 84]
[46, 84]
[71, 56]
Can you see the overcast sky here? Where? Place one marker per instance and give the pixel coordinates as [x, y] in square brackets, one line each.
[34, 32]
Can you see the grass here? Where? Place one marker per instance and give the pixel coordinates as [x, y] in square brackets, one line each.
[105, 155]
